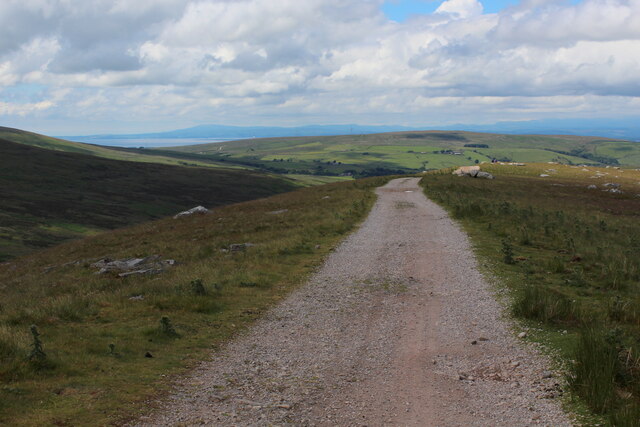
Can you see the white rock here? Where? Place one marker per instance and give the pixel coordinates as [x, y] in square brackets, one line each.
[196, 210]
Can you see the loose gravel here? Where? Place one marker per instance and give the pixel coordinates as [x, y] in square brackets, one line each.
[397, 328]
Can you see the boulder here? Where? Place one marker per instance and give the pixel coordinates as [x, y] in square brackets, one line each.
[472, 171]
[240, 247]
[485, 175]
[192, 211]
[153, 264]
[467, 170]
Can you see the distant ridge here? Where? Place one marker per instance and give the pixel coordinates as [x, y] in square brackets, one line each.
[619, 128]
[240, 132]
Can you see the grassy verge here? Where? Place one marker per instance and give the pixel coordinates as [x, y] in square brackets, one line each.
[95, 330]
[569, 254]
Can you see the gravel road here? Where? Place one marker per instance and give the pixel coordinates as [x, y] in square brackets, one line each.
[397, 328]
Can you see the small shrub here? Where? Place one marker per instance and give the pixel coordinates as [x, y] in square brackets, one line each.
[37, 353]
[197, 287]
[507, 252]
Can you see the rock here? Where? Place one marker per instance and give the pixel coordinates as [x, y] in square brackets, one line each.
[474, 342]
[148, 355]
[192, 211]
[472, 171]
[515, 364]
[278, 212]
[240, 247]
[592, 187]
[612, 185]
[466, 170]
[614, 190]
[522, 335]
[485, 175]
[137, 298]
[547, 375]
[543, 175]
[130, 266]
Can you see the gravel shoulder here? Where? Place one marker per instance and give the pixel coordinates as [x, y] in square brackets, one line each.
[397, 328]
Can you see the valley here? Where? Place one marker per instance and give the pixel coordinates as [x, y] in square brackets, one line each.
[557, 240]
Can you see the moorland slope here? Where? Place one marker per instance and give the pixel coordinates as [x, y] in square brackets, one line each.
[49, 196]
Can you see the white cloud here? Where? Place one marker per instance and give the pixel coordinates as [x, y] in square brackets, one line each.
[320, 60]
[460, 9]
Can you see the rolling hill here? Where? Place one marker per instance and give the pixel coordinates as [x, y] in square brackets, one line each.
[360, 155]
[57, 144]
[50, 196]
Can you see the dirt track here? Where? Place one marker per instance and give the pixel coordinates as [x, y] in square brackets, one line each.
[398, 328]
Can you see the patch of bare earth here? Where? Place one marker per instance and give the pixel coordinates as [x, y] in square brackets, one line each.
[397, 328]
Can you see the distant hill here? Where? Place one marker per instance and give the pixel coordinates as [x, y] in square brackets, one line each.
[623, 128]
[57, 144]
[50, 196]
[362, 155]
[233, 132]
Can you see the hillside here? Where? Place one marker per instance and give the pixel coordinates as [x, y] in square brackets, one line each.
[411, 151]
[56, 144]
[106, 353]
[51, 196]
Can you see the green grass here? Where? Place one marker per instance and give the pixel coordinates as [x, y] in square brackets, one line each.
[52, 196]
[95, 335]
[569, 255]
[412, 151]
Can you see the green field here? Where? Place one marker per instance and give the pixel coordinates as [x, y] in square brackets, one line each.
[52, 196]
[362, 155]
[569, 256]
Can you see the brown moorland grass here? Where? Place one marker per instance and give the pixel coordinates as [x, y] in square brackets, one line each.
[95, 330]
[569, 255]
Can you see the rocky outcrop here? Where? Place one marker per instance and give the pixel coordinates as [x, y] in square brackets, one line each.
[197, 210]
[472, 171]
[153, 264]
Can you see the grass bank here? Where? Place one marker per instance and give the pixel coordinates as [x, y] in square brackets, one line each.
[97, 331]
[566, 244]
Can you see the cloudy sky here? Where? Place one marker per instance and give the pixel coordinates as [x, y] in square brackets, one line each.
[109, 66]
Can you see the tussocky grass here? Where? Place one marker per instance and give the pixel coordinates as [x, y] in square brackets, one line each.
[574, 270]
[95, 330]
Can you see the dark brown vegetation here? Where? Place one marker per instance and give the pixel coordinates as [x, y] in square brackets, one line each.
[50, 196]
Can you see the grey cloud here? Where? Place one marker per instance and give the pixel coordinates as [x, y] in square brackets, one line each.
[325, 56]
[104, 57]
